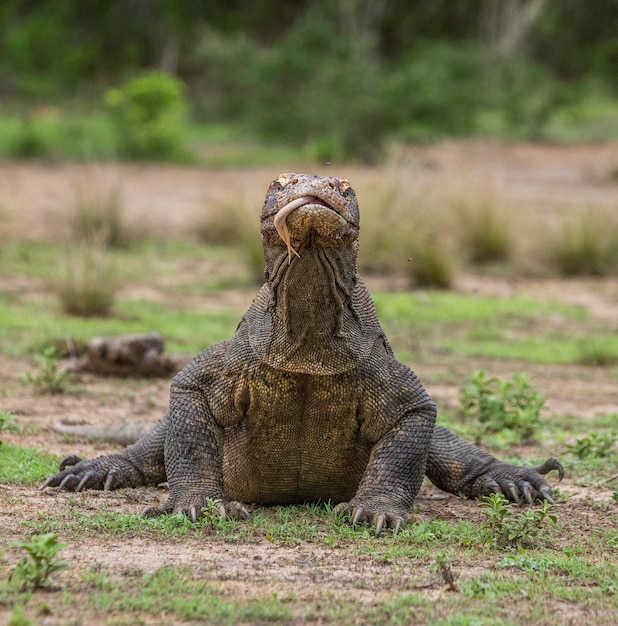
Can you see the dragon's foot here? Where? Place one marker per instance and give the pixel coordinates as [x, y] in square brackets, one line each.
[377, 513]
[113, 471]
[517, 483]
[193, 507]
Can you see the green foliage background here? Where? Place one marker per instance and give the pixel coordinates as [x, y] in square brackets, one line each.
[337, 76]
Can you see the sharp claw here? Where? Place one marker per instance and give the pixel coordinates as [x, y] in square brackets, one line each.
[512, 489]
[193, 514]
[222, 512]
[398, 525]
[549, 465]
[151, 512]
[84, 481]
[339, 509]
[109, 481]
[527, 492]
[358, 513]
[546, 493]
[67, 479]
[47, 483]
[69, 461]
[493, 486]
[380, 524]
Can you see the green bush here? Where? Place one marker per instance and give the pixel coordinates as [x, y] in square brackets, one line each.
[149, 115]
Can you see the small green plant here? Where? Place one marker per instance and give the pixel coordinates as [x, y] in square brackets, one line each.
[148, 112]
[6, 423]
[87, 280]
[498, 405]
[442, 566]
[593, 446]
[18, 618]
[503, 527]
[522, 560]
[49, 379]
[35, 569]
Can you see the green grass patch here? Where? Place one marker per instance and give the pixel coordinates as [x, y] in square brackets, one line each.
[185, 596]
[509, 328]
[25, 466]
[416, 322]
[25, 325]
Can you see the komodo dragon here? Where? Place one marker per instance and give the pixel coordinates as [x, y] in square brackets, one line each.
[306, 401]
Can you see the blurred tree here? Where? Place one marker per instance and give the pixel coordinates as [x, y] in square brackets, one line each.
[317, 71]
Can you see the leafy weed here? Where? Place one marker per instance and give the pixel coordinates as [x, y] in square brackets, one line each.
[502, 527]
[499, 406]
[595, 445]
[35, 569]
[49, 379]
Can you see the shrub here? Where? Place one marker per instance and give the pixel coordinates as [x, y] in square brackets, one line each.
[6, 423]
[595, 446]
[430, 266]
[502, 527]
[148, 112]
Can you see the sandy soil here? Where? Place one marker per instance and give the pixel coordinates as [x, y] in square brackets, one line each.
[35, 202]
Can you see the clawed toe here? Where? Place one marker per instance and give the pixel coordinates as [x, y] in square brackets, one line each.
[377, 519]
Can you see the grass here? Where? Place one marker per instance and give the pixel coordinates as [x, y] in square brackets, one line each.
[298, 563]
[403, 233]
[484, 230]
[576, 567]
[24, 466]
[417, 323]
[81, 134]
[510, 328]
[87, 280]
[585, 244]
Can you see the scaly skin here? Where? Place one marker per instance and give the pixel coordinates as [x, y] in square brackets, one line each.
[306, 401]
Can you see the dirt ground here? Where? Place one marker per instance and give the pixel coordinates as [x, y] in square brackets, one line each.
[35, 200]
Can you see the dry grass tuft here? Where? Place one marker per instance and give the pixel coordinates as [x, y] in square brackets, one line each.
[484, 229]
[584, 245]
[98, 212]
[87, 280]
[403, 232]
[236, 224]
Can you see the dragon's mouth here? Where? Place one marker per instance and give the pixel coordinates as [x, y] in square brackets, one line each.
[280, 220]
